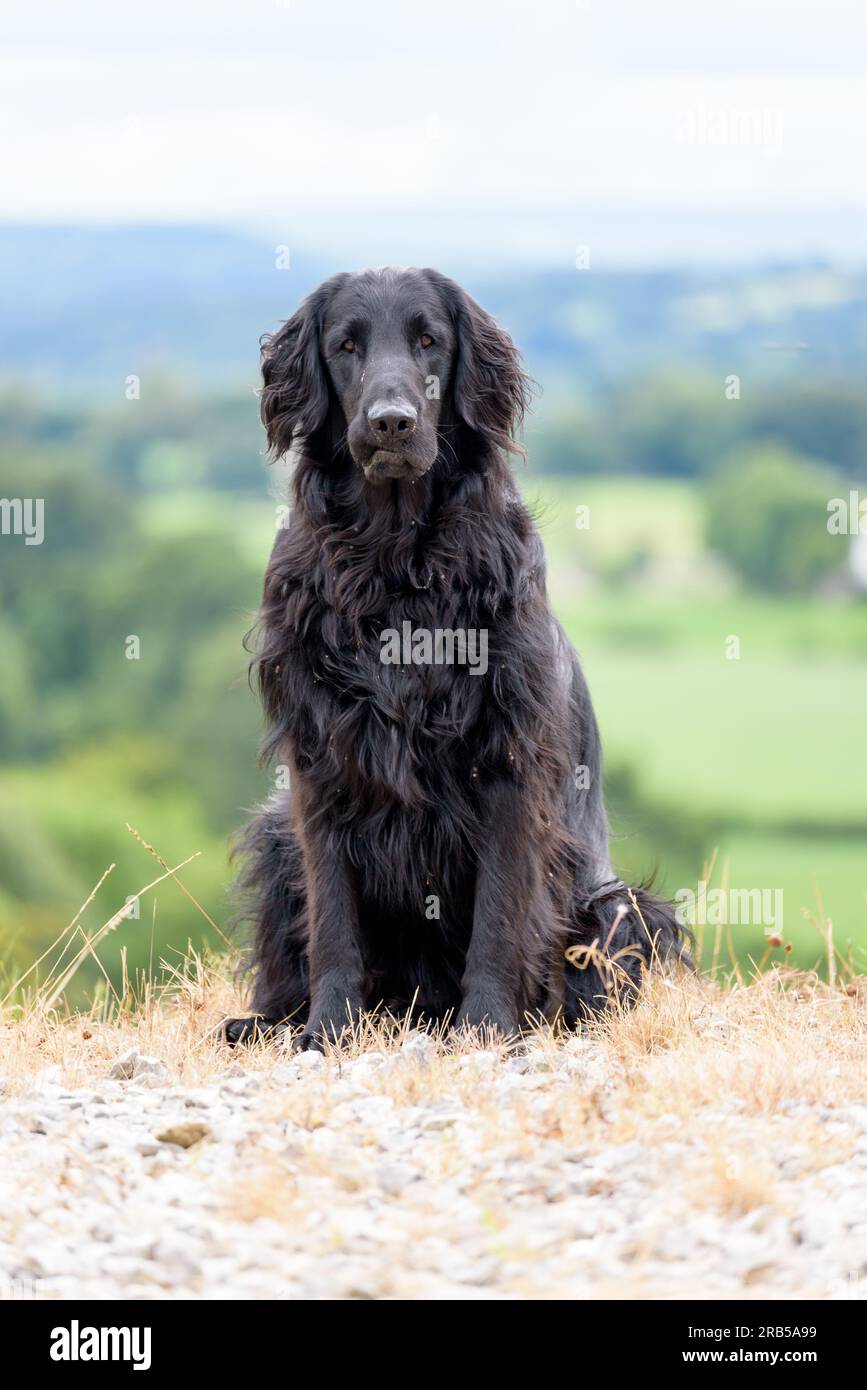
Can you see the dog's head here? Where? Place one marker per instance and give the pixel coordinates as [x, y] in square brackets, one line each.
[389, 363]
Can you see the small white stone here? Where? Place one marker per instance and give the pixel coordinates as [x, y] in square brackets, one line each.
[532, 1062]
[124, 1066]
[393, 1177]
[368, 1067]
[418, 1047]
[133, 1063]
[283, 1073]
[310, 1061]
[855, 1115]
[441, 1120]
[480, 1063]
[150, 1081]
[614, 1159]
[47, 1080]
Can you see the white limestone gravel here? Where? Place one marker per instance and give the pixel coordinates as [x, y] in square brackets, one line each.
[409, 1174]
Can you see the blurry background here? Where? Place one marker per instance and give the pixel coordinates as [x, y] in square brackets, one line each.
[664, 206]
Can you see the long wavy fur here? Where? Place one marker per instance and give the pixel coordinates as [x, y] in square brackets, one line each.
[404, 769]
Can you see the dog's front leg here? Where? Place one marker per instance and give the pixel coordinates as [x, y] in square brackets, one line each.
[492, 984]
[338, 984]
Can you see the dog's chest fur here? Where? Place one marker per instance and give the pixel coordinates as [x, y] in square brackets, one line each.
[405, 711]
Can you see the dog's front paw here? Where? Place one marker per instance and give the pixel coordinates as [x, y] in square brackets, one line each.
[330, 1020]
[487, 1014]
[235, 1032]
[309, 1040]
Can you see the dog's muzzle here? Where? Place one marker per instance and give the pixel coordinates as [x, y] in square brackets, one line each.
[386, 464]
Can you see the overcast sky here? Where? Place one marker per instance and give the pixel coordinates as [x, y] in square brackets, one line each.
[257, 111]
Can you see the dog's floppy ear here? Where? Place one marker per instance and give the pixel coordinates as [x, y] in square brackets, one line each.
[294, 397]
[491, 389]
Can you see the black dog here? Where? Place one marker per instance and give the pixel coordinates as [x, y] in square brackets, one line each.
[445, 842]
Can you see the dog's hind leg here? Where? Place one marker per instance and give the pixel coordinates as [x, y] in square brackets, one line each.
[619, 933]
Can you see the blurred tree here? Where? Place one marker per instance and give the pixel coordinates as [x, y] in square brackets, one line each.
[572, 441]
[678, 422]
[823, 419]
[767, 517]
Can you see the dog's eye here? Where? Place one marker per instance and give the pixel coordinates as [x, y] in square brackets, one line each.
[426, 340]
[347, 345]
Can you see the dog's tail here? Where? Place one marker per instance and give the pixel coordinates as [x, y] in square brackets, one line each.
[618, 934]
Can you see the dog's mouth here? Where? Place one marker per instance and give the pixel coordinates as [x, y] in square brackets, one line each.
[385, 464]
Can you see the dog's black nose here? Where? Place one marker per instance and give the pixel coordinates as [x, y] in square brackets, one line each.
[391, 423]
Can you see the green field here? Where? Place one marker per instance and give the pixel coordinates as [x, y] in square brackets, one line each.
[765, 754]
[761, 759]
[768, 741]
[767, 751]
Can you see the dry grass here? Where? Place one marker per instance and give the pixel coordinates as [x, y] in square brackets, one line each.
[693, 1049]
[661, 1071]
[785, 1035]
[778, 1036]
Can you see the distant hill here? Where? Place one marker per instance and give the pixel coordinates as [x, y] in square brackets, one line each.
[85, 306]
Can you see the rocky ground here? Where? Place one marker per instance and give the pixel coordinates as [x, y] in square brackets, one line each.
[686, 1153]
